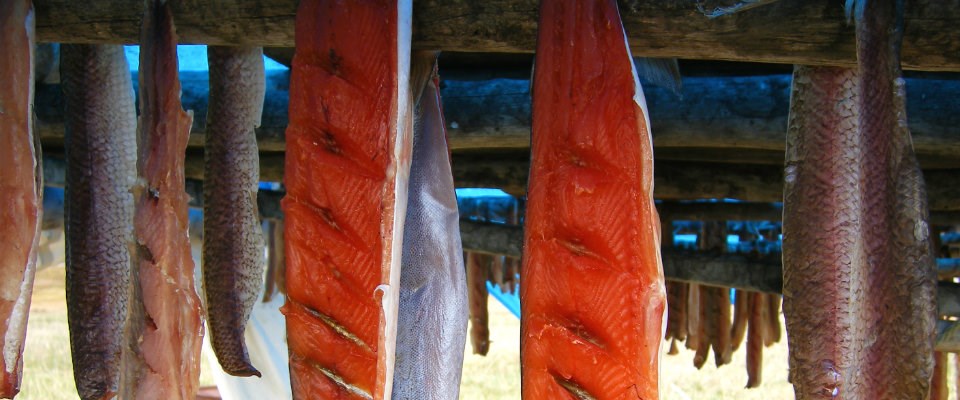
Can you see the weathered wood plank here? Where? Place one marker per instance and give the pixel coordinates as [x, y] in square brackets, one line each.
[672, 180]
[714, 116]
[724, 211]
[719, 270]
[672, 210]
[724, 270]
[195, 86]
[813, 32]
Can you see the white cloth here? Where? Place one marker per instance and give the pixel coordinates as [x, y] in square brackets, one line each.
[266, 337]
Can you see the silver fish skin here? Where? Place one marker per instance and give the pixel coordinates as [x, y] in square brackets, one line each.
[233, 246]
[432, 322]
[101, 149]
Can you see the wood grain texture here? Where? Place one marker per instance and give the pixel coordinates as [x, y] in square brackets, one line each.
[728, 119]
[673, 180]
[790, 32]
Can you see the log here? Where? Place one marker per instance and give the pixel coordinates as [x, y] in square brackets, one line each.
[194, 92]
[713, 116]
[730, 119]
[812, 32]
[485, 66]
[492, 239]
[724, 211]
[461, 66]
[702, 211]
[726, 270]
[673, 181]
[722, 270]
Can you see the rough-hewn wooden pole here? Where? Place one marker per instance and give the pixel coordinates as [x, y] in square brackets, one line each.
[811, 32]
[714, 116]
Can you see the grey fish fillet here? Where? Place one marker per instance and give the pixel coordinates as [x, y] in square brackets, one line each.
[233, 261]
[432, 321]
[21, 187]
[101, 148]
[859, 274]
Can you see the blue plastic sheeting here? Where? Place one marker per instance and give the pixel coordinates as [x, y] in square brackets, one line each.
[734, 244]
[509, 300]
[480, 192]
[191, 58]
[52, 198]
[743, 236]
[275, 186]
[494, 208]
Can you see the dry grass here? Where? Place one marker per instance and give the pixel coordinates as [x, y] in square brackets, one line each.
[497, 376]
[47, 367]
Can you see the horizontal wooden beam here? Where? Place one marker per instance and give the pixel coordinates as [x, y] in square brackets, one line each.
[675, 180]
[731, 271]
[702, 211]
[733, 119]
[772, 212]
[672, 180]
[491, 238]
[813, 32]
[195, 85]
[724, 270]
[719, 270]
[711, 117]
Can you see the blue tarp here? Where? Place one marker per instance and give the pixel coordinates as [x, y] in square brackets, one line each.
[509, 300]
[491, 205]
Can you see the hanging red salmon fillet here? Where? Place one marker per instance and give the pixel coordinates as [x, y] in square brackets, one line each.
[171, 328]
[348, 158]
[20, 187]
[592, 287]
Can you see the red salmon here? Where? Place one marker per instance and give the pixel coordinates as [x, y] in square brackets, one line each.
[592, 287]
